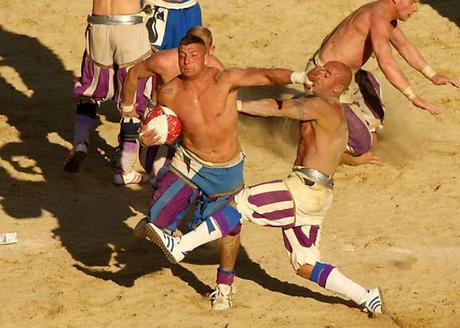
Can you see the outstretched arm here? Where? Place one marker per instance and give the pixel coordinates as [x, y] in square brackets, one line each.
[415, 59]
[302, 109]
[380, 38]
[252, 77]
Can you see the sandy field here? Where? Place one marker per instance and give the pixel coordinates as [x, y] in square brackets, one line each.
[77, 264]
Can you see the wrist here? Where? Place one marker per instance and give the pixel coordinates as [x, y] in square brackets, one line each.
[409, 93]
[127, 108]
[428, 72]
[299, 77]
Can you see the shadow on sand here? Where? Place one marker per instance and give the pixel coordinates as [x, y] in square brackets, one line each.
[91, 212]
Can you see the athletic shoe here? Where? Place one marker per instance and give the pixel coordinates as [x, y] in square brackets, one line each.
[221, 297]
[76, 156]
[132, 177]
[374, 302]
[168, 244]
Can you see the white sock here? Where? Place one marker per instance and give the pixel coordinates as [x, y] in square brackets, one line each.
[200, 236]
[338, 283]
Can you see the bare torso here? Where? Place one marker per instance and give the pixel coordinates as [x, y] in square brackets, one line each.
[206, 107]
[322, 141]
[350, 42]
[116, 7]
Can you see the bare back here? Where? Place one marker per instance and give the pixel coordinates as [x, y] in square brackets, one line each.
[116, 7]
[206, 107]
[350, 41]
[323, 140]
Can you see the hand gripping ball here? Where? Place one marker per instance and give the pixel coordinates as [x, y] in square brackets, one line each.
[165, 122]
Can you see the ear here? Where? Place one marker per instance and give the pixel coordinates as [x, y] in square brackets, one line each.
[211, 49]
[206, 57]
[338, 89]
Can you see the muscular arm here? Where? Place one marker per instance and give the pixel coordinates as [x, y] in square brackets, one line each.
[380, 38]
[141, 70]
[381, 33]
[407, 50]
[258, 77]
[415, 59]
[302, 109]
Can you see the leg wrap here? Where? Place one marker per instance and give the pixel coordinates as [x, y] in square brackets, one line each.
[86, 108]
[227, 218]
[320, 273]
[129, 129]
[225, 277]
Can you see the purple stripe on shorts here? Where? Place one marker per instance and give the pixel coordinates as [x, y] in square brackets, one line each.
[169, 213]
[303, 239]
[169, 199]
[141, 99]
[359, 137]
[270, 197]
[102, 87]
[324, 274]
[222, 222]
[87, 73]
[276, 215]
[287, 244]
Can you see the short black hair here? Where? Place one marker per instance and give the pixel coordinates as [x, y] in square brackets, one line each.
[191, 39]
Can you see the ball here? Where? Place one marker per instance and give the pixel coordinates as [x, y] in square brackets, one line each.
[165, 122]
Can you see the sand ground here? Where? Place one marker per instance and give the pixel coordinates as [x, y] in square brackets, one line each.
[77, 264]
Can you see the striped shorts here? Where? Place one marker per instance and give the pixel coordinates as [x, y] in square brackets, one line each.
[188, 180]
[110, 51]
[289, 204]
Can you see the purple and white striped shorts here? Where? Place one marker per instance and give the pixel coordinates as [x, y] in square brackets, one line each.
[110, 51]
[295, 207]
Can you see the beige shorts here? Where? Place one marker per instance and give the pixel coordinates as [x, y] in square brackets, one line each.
[123, 45]
[295, 207]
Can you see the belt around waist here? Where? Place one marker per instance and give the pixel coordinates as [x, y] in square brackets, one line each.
[171, 4]
[115, 20]
[315, 176]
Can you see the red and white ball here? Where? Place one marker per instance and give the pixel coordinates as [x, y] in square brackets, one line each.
[165, 122]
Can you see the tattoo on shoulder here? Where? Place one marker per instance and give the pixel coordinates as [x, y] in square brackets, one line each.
[218, 75]
[167, 91]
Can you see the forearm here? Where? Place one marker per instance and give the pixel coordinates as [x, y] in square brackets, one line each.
[262, 108]
[394, 75]
[129, 88]
[413, 57]
[277, 76]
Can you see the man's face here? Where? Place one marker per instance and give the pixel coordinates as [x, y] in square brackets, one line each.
[406, 8]
[324, 78]
[192, 59]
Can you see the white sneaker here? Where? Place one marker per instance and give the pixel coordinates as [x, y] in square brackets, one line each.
[169, 245]
[221, 297]
[132, 177]
[374, 302]
[139, 230]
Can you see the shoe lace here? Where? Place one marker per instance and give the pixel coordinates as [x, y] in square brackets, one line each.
[217, 293]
